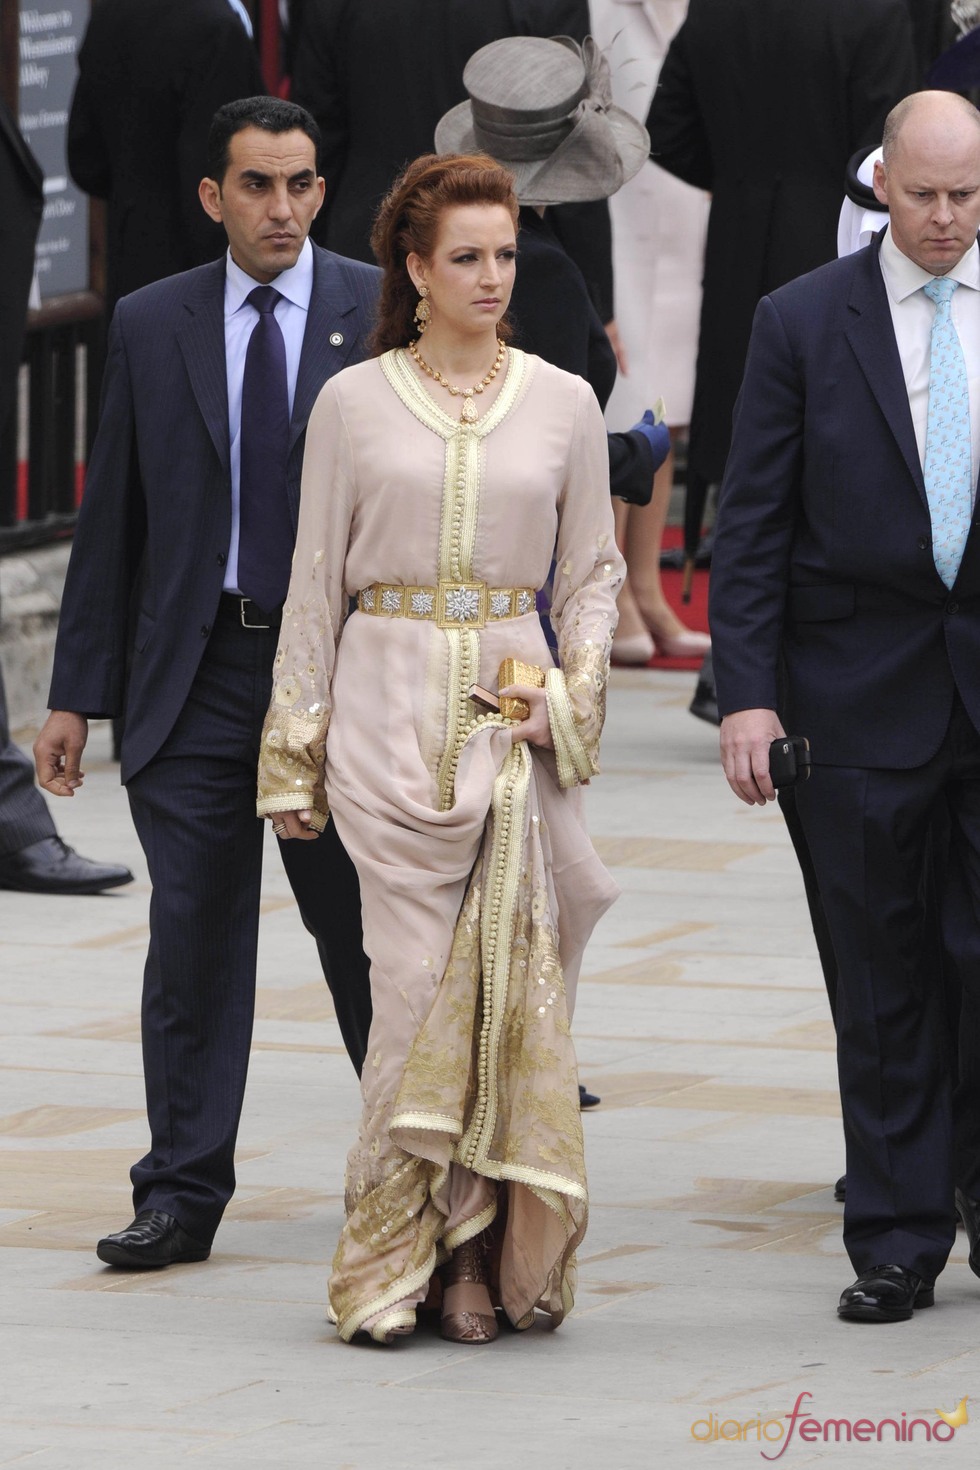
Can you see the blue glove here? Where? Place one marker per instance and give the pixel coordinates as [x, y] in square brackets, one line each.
[656, 435]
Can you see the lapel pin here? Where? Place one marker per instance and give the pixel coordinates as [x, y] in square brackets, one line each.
[336, 339]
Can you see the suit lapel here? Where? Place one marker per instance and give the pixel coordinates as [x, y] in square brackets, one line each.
[201, 336]
[332, 330]
[872, 338]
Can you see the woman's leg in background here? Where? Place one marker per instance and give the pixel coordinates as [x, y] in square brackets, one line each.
[643, 608]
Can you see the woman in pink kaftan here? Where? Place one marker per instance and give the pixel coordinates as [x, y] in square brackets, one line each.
[479, 885]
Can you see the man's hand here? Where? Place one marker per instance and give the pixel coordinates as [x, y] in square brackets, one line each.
[745, 740]
[58, 751]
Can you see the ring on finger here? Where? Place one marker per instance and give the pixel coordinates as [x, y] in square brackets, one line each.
[280, 829]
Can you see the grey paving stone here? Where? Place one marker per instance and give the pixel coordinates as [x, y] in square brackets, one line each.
[708, 1279]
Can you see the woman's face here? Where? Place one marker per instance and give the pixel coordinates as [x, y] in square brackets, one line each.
[470, 274]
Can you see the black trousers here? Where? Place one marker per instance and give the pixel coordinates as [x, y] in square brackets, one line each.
[24, 815]
[869, 834]
[948, 898]
[194, 811]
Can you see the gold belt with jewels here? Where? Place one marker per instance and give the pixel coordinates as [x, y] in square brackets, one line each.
[448, 605]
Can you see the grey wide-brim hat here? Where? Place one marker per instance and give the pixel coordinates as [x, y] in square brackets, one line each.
[543, 108]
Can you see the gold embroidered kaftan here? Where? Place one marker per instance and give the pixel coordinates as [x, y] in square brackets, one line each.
[479, 886]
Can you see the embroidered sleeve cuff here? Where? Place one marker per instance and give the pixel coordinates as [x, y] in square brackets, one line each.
[267, 805]
[575, 762]
[291, 761]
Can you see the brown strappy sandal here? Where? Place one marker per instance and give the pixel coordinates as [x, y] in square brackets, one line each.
[468, 1262]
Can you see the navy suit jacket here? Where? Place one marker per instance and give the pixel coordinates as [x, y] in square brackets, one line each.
[825, 600]
[147, 565]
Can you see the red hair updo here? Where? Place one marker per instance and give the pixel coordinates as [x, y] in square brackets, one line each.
[408, 220]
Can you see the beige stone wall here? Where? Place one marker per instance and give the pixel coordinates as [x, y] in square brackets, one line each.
[31, 584]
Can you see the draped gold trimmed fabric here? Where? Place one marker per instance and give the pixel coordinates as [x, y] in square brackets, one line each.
[479, 885]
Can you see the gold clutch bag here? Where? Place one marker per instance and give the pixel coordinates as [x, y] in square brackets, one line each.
[512, 671]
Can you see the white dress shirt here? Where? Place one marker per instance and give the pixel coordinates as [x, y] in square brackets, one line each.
[912, 317]
[296, 287]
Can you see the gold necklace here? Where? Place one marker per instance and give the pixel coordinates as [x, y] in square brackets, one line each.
[468, 413]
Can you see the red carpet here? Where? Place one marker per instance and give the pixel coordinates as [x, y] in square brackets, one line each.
[693, 614]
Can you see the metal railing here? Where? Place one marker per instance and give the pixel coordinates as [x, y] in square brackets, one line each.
[45, 446]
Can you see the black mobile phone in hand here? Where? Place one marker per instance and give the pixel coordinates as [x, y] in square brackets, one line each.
[789, 760]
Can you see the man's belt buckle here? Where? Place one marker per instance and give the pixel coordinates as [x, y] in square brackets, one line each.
[461, 604]
[247, 603]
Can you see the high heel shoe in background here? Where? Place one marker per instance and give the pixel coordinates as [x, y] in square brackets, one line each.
[636, 650]
[686, 644]
[468, 1262]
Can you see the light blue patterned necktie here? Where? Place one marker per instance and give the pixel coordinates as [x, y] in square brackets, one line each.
[948, 466]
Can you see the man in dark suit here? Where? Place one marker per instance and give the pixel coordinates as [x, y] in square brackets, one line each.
[171, 612]
[378, 78]
[762, 102]
[151, 74]
[33, 857]
[847, 557]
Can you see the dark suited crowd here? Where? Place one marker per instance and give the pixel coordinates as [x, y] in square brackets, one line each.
[33, 858]
[832, 618]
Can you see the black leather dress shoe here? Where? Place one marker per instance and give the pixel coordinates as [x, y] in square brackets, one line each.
[704, 705]
[587, 1099]
[154, 1239]
[840, 1189]
[885, 1294]
[51, 866]
[969, 1212]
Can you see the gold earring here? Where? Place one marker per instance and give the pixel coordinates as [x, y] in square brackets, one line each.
[423, 310]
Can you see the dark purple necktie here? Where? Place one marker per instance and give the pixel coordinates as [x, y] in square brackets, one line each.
[265, 545]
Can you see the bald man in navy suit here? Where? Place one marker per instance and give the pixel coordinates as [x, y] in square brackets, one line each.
[846, 589]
